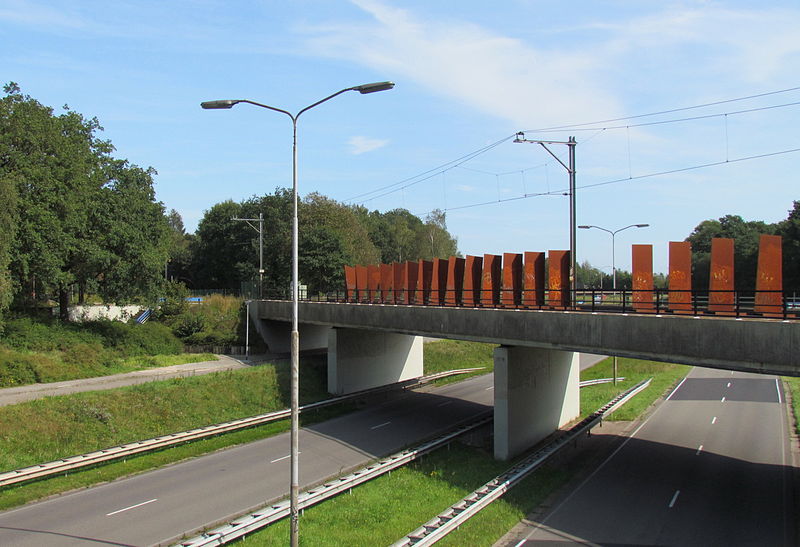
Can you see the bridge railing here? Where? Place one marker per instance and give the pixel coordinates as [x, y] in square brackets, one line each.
[781, 305]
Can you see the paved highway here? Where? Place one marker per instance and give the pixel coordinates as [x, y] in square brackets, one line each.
[162, 504]
[711, 466]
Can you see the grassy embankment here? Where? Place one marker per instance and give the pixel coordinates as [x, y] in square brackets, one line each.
[794, 388]
[56, 427]
[384, 510]
[34, 351]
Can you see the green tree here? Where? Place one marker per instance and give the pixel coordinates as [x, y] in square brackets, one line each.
[434, 241]
[8, 224]
[222, 245]
[746, 235]
[180, 249]
[84, 218]
[789, 230]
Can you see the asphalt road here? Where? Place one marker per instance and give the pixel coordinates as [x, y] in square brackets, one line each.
[711, 466]
[163, 504]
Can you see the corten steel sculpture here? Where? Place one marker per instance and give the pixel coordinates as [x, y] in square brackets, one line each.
[373, 282]
[558, 279]
[399, 283]
[351, 292]
[473, 276]
[533, 283]
[455, 281]
[642, 278]
[721, 294]
[512, 280]
[424, 283]
[769, 278]
[680, 276]
[439, 281]
[361, 283]
[387, 283]
[490, 285]
[412, 270]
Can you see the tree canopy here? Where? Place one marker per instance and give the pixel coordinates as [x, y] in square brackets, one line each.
[78, 217]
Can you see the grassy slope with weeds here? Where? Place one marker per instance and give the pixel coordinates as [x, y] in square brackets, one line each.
[794, 389]
[34, 351]
[442, 355]
[391, 506]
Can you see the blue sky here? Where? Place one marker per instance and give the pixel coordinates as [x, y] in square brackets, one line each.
[469, 74]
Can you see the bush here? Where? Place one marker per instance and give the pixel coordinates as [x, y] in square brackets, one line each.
[17, 369]
[216, 321]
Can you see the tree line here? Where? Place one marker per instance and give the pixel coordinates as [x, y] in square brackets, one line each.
[77, 221]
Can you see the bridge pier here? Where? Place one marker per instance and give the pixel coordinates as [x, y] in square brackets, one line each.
[362, 359]
[536, 391]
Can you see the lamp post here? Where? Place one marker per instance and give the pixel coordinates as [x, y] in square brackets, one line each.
[613, 263]
[295, 336]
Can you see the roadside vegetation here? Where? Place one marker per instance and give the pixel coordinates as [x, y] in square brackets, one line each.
[35, 350]
[794, 388]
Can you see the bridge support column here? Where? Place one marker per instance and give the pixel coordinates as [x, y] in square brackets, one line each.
[362, 359]
[536, 391]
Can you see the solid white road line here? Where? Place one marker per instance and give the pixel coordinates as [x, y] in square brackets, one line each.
[676, 388]
[131, 507]
[778, 389]
[674, 498]
[380, 425]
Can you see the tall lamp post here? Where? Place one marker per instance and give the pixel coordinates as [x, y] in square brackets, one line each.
[613, 263]
[295, 337]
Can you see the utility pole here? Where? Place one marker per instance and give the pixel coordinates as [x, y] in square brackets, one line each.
[571, 143]
[260, 231]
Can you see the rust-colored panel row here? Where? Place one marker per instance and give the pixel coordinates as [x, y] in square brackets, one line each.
[643, 296]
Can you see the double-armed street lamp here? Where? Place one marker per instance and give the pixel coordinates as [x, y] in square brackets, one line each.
[613, 263]
[613, 250]
[295, 336]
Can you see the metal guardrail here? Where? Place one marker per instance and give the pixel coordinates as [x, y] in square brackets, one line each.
[268, 515]
[73, 463]
[447, 521]
[598, 381]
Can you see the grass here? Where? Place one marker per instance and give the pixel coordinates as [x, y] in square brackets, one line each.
[442, 355]
[664, 375]
[393, 505]
[794, 388]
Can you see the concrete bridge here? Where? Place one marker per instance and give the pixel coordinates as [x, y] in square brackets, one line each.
[536, 366]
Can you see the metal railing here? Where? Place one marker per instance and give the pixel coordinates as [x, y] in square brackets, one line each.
[782, 305]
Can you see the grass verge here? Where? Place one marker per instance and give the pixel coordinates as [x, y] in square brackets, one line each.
[794, 388]
[442, 355]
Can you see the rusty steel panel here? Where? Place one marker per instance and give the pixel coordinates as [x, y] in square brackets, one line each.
[491, 281]
[439, 282]
[424, 275]
[473, 275]
[361, 283]
[769, 280]
[455, 281]
[399, 282]
[512, 280]
[373, 282]
[533, 281]
[720, 284]
[642, 256]
[558, 279]
[350, 284]
[387, 282]
[412, 271]
[680, 276]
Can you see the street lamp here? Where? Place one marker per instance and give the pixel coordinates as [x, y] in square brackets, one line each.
[613, 264]
[295, 337]
[613, 251]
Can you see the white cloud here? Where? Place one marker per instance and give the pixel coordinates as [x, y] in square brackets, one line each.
[496, 74]
[360, 145]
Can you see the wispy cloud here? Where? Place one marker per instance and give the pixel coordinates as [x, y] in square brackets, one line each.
[361, 145]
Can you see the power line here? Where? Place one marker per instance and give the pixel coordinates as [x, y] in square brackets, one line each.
[670, 111]
[565, 191]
